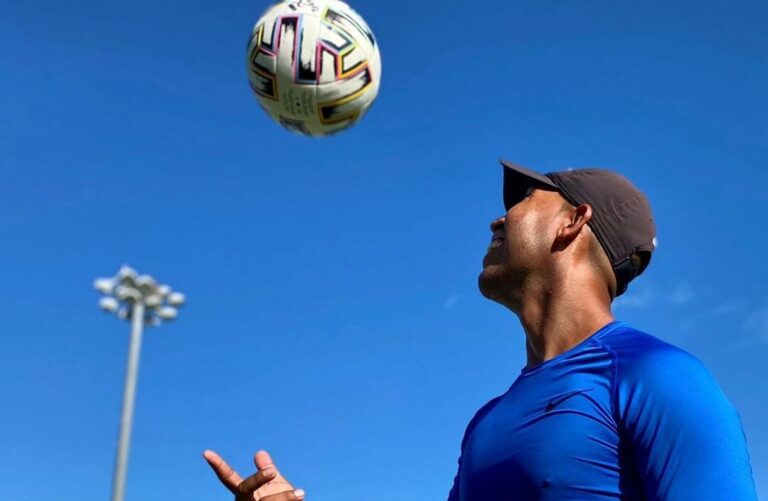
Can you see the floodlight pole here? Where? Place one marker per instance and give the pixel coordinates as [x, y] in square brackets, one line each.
[129, 396]
[140, 298]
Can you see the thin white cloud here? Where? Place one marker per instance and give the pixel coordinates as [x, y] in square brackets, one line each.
[682, 294]
[640, 296]
[756, 324]
[451, 301]
[646, 294]
[726, 308]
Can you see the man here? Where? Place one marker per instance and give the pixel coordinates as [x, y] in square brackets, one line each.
[601, 410]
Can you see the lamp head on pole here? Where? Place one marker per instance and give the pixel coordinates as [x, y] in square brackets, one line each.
[127, 289]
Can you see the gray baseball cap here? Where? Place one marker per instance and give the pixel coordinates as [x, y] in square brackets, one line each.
[621, 220]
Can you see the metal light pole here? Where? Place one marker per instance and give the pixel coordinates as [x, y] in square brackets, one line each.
[140, 299]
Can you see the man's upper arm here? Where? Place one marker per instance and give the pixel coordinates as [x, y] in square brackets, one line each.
[685, 437]
[455, 493]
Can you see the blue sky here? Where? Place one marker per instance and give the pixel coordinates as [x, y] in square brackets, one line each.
[333, 315]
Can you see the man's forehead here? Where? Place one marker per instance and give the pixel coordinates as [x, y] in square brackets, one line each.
[545, 193]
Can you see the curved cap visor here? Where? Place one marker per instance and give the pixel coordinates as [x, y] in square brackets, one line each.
[517, 180]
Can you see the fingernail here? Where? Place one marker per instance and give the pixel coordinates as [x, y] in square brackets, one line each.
[298, 493]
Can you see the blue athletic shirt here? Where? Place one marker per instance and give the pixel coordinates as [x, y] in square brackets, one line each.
[622, 415]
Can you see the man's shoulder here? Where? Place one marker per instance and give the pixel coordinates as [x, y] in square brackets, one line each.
[484, 410]
[640, 354]
[645, 365]
[479, 415]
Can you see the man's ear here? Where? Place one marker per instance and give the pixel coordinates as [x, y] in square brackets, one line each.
[574, 222]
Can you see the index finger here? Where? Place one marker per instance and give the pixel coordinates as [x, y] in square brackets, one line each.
[226, 474]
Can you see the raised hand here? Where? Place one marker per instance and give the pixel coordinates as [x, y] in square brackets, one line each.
[267, 484]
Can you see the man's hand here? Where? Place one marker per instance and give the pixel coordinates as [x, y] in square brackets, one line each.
[267, 484]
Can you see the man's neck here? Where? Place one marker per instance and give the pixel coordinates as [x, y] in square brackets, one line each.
[560, 318]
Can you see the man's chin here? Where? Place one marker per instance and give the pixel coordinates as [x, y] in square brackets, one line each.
[498, 283]
[488, 282]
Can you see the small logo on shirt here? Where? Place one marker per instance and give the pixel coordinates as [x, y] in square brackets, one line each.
[557, 401]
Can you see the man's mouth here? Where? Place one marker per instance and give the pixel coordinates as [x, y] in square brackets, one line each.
[496, 242]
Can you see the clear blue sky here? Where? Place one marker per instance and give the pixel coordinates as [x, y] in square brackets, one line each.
[333, 315]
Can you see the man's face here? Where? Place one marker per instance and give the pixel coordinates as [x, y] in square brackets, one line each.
[521, 243]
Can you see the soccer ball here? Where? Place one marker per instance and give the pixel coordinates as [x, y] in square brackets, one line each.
[314, 65]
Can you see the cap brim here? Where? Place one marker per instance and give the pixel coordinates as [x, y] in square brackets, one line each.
[517, 180]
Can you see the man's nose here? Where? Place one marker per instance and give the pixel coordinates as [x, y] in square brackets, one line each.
[497, 224]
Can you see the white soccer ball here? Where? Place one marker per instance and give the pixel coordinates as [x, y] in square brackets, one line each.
[314, 65]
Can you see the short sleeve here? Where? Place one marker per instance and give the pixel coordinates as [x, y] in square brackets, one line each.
[685, 438]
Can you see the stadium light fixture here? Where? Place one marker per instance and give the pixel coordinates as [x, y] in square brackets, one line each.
[140, 299]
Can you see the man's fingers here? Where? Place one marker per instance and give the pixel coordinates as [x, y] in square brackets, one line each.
[256, 481]
[226, 474]
[267, 477]
[298, 494]
[262, 459]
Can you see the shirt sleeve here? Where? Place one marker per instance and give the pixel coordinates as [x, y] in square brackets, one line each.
[455, 493]
[685, 438]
